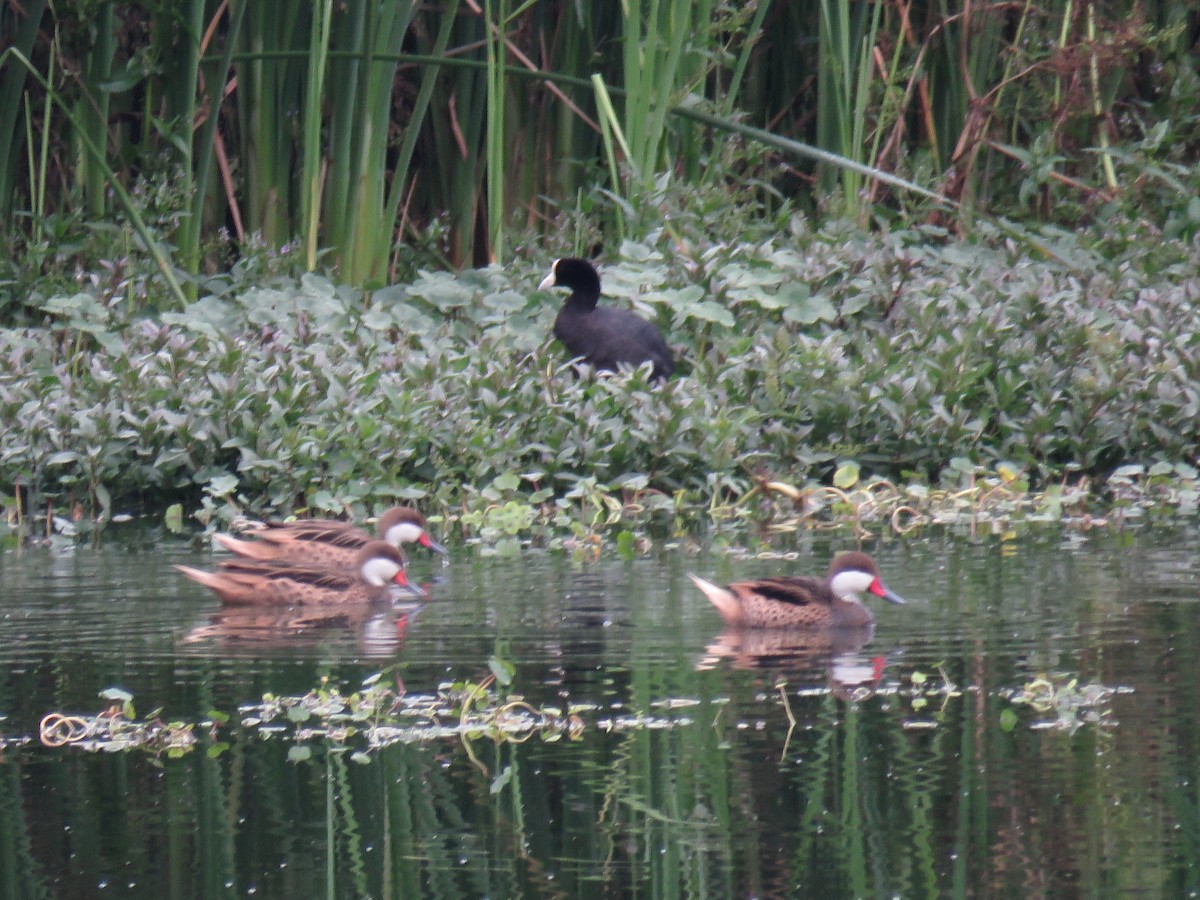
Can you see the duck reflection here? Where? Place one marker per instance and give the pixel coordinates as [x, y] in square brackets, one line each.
[376, 630]
[832, 655]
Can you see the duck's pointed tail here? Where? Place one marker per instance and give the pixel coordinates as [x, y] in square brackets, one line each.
[723, 599]
[248, 549]
[225, 587]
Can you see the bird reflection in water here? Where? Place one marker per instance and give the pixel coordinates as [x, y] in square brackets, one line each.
[832, 656]
[376, 630]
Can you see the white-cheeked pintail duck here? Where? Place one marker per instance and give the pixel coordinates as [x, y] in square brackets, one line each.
[803, 601]
[330, 543]
[378, 568]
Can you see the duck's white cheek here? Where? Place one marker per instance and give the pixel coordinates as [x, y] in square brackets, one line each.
[379, 572]
[404, 533]
[844, 583]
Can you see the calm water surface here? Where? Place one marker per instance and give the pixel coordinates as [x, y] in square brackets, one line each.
[776, 765]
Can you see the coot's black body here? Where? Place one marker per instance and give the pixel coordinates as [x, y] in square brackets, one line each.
[603, 335]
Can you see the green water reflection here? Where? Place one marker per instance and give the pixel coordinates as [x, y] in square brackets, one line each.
[782, 767]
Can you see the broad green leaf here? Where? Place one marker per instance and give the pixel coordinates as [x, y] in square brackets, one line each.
[710, 311]
[222, 485]
[505, 301]
[1132, 470]
[442, 291]
[502, 669]
[855, 304]
[104, 498]
[507, 482]
[846, 475]
[635, 252]
[809, 310]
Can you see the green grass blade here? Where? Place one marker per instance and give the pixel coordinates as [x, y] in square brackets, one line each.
[11, 88]
[610, 130]
[310, 172]
[495, 16]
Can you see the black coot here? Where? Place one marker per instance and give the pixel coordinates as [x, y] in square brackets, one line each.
[602, 335]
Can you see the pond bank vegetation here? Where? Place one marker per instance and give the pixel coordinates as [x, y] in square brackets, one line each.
[889, 379]
[945, 264]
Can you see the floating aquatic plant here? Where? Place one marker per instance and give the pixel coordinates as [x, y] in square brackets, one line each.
[117, 728]
[379, 715]
[376, 715]
[1061, 703]
[923, 692]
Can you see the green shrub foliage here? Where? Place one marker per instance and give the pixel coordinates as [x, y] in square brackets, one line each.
[899, 350]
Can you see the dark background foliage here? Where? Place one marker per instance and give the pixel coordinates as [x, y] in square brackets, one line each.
[374, 137]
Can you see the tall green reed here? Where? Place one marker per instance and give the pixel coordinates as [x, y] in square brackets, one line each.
[311, 165]
[496, 19]
[270, 89]
[91, 109]
[356, 126]
[38, 158]
[12, 85]
[662, 63]
[845, 111]
[360, 126]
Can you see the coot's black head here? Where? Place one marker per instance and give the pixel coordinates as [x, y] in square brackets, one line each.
[572, 272]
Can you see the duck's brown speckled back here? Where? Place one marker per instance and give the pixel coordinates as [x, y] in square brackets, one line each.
[802, 601]
[322, 542]
[377, 567]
